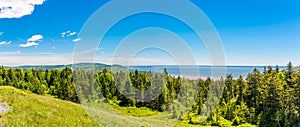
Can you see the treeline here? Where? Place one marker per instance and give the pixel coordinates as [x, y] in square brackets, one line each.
[136, 89]
[268, 98]
[58, 83]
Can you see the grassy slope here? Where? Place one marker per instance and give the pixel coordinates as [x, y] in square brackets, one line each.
[35, 110]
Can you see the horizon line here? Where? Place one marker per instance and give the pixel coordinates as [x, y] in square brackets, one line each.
[226, 65]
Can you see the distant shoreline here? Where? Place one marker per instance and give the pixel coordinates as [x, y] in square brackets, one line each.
[184, 71]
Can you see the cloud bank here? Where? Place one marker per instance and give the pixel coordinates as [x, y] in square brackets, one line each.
[23, 58]
[18, 8]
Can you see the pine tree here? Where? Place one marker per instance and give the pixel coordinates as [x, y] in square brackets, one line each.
[228, 92]
[272, 103]
[289, 75]
[241, 87]
[252, 96]
[297, 91]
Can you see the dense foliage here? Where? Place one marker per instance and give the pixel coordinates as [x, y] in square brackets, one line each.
[58, 83]
[269, 98]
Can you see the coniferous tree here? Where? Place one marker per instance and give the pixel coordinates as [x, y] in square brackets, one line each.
[289, 75]
[272, 102]
[252, 93]
[241, 86]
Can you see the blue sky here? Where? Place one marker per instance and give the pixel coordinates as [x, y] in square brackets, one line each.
[252, 32]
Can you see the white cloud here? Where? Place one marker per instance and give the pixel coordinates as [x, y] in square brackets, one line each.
[1, 33]
[73, 33]
[77, 39]
[32, 41]
[68, 34]
[17, 8]
[35, 38]
[29, 44]
[63, 34]
[18, 52]
[5, 42]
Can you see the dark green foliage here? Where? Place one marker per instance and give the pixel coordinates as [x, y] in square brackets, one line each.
[268, 99]
[58, 83]
[130, 90]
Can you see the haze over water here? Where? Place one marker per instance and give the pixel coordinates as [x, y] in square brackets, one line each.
[204, 71]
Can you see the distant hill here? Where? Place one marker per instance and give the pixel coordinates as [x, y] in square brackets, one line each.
[97, 66]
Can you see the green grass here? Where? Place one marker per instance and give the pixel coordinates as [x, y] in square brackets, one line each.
[137, 112]
[185, 123]
[108, 115]
[222, 122]
[35, 110]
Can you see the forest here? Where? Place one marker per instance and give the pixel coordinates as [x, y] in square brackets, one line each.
[269, 99]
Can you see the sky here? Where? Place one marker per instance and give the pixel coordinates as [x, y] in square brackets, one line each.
[38, 32]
